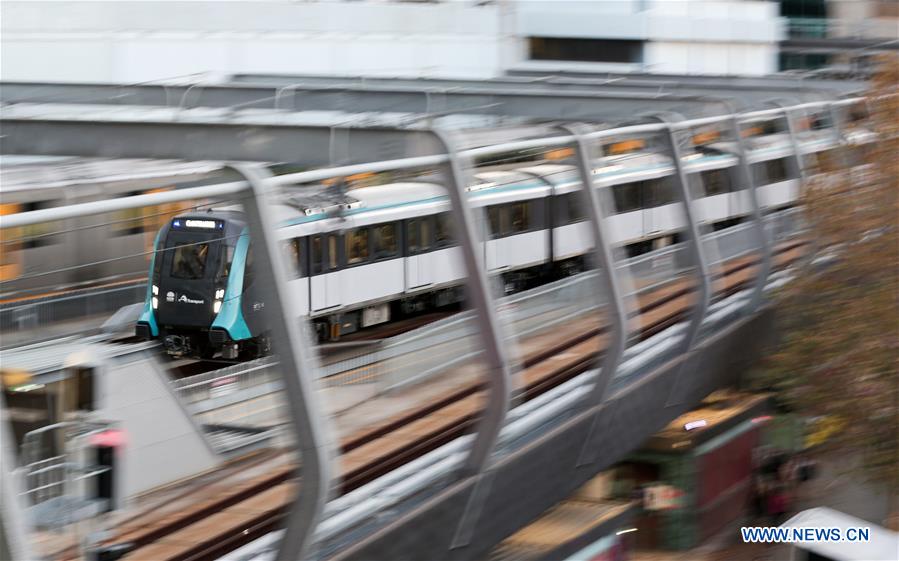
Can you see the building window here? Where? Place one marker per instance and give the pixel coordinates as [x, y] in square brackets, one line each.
[586, 50]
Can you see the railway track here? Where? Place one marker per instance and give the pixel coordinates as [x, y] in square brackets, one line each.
[248, 500]
[347, 348]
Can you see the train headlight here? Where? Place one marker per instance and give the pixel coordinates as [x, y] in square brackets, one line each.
[216, 306]
[155, 302]
[155, 290]
[220, 293]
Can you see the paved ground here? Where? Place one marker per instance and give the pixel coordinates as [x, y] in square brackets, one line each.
[835, 488]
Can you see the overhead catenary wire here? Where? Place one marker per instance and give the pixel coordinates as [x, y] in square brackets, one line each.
[123, 257]
[310, 176]
[238, 200]
[522, 148]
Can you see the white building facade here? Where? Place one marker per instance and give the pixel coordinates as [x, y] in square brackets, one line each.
[143, 40]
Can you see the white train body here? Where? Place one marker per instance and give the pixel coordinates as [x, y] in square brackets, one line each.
[530, 232]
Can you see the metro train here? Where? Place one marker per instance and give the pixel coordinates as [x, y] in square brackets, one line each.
[363, 256]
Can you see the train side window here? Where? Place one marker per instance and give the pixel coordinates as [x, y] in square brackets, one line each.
[42, 234]
[575, 208]
[627, 197]
[443, 230]
[130, 221]
[771, 171]
[519, 217]
[659, 191]
[316, 258]
[425, 234]
[385, 245]
[777, 170]
[709, 182]
[758, 174]
[357, 246]
[333, 261]
[717, 181]
[493, 221]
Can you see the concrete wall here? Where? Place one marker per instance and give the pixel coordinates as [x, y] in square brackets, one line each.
[134, 40]
[133, 394]
[680, 57]
[142, 40]
[526, 482]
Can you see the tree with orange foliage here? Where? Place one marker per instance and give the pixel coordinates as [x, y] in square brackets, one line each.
[839, 354]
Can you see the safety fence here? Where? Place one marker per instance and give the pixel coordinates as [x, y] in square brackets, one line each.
[245, 393]
[81, 305]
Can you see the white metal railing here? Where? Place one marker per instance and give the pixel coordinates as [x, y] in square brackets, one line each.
[306, 421]
[312, 176]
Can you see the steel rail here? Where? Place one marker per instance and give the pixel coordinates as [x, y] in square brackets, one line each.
[538, 386]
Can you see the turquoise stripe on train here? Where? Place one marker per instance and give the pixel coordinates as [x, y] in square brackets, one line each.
[230, 317]
[148, 316]
[527, 184]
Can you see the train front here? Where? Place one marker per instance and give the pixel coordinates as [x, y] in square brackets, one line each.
[189, 274]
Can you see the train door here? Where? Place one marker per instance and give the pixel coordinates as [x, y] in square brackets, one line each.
[324, 285]
[418, 260]
[496, 245]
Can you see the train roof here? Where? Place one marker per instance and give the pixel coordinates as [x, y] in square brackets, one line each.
[330, 202]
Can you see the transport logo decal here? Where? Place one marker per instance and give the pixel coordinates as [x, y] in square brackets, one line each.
[185, 300]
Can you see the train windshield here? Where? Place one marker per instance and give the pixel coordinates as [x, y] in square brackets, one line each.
[189, 261]
[225, 261]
